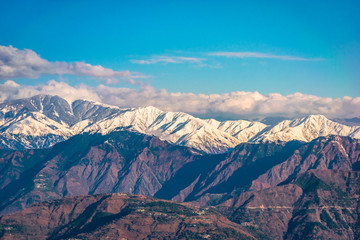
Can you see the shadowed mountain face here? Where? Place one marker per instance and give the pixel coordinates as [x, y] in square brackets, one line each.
[135, 163]
[89, 164]
[258, 166]
[319, 204]
[118, 216]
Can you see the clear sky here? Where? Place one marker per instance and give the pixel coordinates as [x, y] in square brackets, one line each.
[311, 47]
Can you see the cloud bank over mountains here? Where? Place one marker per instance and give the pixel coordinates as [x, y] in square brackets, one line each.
[228, 105]
[15, 63]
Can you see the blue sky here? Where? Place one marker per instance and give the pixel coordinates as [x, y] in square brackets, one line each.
[312, 47]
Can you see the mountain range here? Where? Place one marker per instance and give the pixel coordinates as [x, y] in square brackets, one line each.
[71, 169]
[42, 121]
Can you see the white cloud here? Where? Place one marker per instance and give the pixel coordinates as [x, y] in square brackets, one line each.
[205, 61]
[26, 63]
[229, 105]
[261, 55]
[168, 59]
[11, 90]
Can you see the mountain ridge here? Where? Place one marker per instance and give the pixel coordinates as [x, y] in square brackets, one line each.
[50, 119]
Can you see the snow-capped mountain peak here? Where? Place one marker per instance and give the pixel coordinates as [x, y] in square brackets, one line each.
[306, 129]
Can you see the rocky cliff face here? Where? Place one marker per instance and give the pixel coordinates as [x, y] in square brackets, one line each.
[319, 204]
[118, 216]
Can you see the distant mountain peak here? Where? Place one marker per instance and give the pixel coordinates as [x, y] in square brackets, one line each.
[307, 129]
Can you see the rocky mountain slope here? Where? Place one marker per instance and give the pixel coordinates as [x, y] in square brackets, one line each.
[118, 162]
[258, 166]
[118, 216]
[318, 204]
[130, 162]
[42, 121]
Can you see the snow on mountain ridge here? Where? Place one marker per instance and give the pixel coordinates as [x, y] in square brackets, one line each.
[42, 116]
[306, 129]
[175, 127]
[35, 124]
